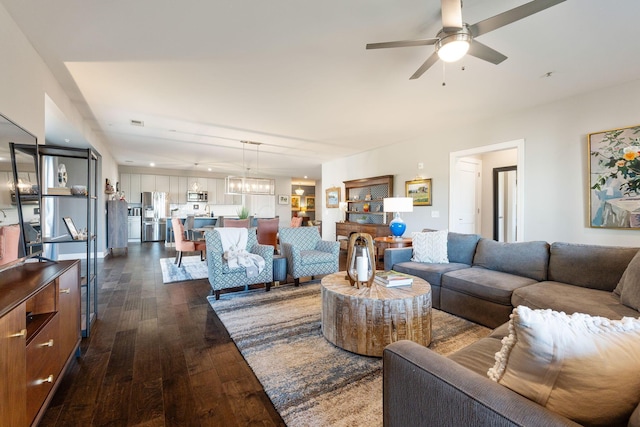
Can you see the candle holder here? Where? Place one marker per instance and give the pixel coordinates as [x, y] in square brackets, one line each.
[361, 265]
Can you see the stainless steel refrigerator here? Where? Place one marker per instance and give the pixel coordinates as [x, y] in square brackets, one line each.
[155, 209]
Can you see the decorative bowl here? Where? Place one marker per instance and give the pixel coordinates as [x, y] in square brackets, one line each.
[79, 190]
[361, 220]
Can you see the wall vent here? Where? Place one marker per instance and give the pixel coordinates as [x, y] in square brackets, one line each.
[137, 123]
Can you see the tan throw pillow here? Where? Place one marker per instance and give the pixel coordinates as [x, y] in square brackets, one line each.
[629, 285]
[430, 246]
[582, 367]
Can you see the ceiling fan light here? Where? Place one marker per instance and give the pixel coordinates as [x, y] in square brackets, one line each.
[453, 51]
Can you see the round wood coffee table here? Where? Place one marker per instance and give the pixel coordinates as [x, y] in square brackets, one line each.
[366, 320]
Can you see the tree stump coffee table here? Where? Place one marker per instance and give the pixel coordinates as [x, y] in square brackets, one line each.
[366, 320]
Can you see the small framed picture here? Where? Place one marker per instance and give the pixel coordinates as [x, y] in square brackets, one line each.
[283, 199]
[71, 227]
[295, 203]
[420, 191]
[333, 197]
[310, 202]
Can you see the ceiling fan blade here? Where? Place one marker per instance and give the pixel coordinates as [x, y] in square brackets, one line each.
[402, 43]
[451, 15]
[484, 52]
[424, 67]
[511, 16]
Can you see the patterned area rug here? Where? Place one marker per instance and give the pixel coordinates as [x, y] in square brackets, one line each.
[190, 269]
[310, 381]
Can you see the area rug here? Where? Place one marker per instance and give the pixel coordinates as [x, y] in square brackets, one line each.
[310, 381]
[191, 268]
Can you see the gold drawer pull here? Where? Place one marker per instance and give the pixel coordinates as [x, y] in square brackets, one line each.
[65, 291]
[49, 379]
[47, 344]
[22, 333]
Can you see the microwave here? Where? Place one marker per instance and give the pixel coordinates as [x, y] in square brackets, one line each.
[197, 196]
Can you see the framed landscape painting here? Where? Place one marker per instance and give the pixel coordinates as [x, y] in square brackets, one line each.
[295, 203]
[614, 178]
[333, 197]
[310, 202]
[419, 190]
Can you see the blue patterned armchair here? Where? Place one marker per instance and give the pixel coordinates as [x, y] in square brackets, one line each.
[307, 254]
[223, 277]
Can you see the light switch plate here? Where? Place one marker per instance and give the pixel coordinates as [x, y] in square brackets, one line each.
[435, 214]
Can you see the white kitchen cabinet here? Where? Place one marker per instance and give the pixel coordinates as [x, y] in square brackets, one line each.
[125, 185]
[163, 183]
[212, 189]
[5, 194]
[135, 196]
[201, 183]
[184, 186]
[147, 183]
[175, 190]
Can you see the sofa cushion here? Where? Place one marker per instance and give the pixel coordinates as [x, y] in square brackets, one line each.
[490, 285]
[582, 367]
[590, 266]
[430, 246]
[461, 247]
[528, 259]
[629, 285]
[571, 299]
[430, 272]
[479, 356]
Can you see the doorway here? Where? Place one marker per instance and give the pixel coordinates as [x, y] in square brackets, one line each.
[485, 217]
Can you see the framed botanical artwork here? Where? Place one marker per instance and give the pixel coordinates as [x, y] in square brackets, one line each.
[614, 178]
[419, 190]
[295, 203]
[283, 199]
[333, 197]
[310, 201]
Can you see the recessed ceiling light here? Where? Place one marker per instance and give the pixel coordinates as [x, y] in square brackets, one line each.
[67, 140]
[305, 177]
[128, 161]
[209, 169]
[152, 164]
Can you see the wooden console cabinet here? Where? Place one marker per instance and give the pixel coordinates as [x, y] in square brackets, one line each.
[39, 335]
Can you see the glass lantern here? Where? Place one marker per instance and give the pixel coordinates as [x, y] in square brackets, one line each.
[361, 260]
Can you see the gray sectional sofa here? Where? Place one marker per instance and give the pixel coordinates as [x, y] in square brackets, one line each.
[483, 281]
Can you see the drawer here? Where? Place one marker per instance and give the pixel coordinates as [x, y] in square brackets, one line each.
[43, 366]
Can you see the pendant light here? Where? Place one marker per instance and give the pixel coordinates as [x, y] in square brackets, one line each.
[299, 191]
[250, 185]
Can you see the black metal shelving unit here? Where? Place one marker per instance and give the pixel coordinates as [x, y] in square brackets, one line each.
[79, 203]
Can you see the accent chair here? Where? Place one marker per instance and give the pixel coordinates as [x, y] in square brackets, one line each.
[307, 254]
[184, 245]
[223, 277]
[296, 221]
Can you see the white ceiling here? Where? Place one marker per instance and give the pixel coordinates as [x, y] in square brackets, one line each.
[295, 75]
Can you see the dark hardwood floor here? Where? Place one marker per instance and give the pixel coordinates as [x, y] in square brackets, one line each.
[157, 356]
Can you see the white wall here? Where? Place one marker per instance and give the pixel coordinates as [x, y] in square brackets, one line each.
[556, 172]
[25, 82]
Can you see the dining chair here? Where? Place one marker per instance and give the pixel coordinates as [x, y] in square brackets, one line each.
[9, 241]
[238, 223]
[189, 224]
[268, 231]
[185, 245]
[296, 221]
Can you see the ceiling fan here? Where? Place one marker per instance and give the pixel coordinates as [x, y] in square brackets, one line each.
[457, 38]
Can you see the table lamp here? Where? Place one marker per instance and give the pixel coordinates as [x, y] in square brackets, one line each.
[397, 205]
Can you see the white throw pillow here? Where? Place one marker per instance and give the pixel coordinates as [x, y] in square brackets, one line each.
[583, 367]
[430, 246]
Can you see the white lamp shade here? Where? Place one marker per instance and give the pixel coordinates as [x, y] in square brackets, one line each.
[398, 204]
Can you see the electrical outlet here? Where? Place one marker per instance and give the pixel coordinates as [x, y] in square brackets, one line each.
[435, 214]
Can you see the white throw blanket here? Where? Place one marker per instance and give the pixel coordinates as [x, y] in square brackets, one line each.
[234, 242]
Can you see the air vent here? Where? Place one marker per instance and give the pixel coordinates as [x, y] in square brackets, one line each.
[137, 123]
